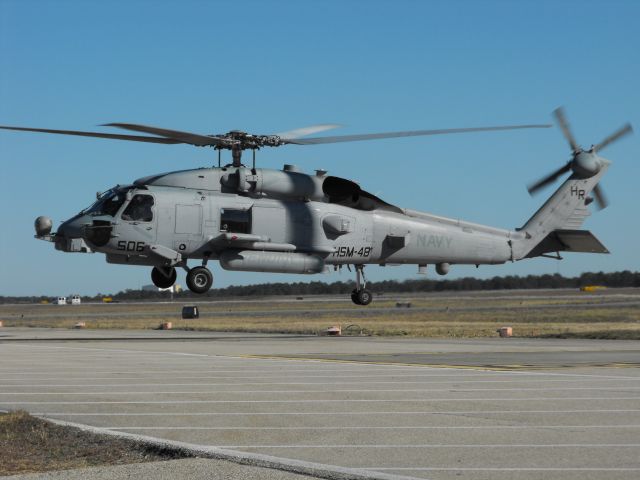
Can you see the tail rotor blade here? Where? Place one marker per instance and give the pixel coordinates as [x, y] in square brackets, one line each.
[564, 126]
[601, 198]
[552, 177]
[621, 132]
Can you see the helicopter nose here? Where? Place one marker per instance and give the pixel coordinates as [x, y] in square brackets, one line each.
[73, 228]
[70, 236]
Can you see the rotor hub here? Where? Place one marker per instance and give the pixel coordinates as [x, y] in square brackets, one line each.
[586, 164]
[238, 140]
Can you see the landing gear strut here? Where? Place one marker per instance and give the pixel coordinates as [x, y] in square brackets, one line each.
[163, 277]
[199, 279]
[360, 295]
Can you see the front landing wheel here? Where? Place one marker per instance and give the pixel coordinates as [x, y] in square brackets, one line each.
[199, 279]
[163, 277]
[361, 297]
[354, 297]
[364, 297]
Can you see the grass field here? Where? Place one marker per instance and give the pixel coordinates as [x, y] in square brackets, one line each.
[29, 444]
[563, 313]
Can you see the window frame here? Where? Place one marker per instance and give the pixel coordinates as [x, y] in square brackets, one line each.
[152, 209]
[245, 211]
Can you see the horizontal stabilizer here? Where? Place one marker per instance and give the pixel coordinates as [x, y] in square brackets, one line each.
[568, 241]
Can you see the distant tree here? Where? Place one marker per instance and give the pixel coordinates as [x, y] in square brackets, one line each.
[624, 278]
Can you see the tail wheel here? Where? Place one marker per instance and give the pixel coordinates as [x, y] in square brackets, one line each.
[163, 279]
[199, 279]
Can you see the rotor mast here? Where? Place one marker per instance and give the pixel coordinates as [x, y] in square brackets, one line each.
[236, 155]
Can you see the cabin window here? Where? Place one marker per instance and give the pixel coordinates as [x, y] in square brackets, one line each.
[109, 202]
[139, 209]
[235, 221]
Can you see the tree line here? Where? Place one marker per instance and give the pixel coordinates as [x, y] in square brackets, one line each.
[624, 278]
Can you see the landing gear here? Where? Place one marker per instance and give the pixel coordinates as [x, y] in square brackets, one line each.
[199, 279]
[163, 277]
[360, 295]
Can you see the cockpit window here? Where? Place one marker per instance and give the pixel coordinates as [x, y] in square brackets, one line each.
[109, 202]
[139, 209]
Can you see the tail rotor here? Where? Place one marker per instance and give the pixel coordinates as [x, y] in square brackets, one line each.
[583, 163]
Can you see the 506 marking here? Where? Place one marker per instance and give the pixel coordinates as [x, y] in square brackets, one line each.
[131, 246]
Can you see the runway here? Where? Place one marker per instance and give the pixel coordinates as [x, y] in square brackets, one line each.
[444, 409]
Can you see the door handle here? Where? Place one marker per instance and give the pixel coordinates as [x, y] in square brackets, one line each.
[149, 228]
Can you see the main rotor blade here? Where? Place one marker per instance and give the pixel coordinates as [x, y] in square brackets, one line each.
[182, 137]
[303, 132]
[415, 133]
[564, 126]
[135, 138]
[552, 177]
[601, 198]
[621, 132]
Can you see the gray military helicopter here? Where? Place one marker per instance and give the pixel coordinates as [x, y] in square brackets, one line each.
[287, 221]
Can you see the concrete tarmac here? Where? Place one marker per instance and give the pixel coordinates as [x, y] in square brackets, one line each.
[187, 468]
[440, 409]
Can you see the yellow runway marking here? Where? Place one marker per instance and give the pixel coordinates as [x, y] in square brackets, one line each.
[498, 368]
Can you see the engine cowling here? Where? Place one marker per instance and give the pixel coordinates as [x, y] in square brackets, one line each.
[289, 184]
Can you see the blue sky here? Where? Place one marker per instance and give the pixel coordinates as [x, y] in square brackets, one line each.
[271, 66]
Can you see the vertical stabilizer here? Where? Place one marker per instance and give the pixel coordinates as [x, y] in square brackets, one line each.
[566, 209]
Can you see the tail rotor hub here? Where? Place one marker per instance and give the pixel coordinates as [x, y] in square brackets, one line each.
[586, 164]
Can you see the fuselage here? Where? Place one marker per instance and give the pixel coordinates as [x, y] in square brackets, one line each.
[294, 215]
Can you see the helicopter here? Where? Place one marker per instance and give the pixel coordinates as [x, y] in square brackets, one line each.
[287, 221]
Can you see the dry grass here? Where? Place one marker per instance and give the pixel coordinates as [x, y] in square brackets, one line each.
[531, 315]
[28, 444]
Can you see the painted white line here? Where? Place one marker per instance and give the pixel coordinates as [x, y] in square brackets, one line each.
[429, 445]
[319, 367]
[111, 350]
[387, 427]
[331, 413]
[289, 392]
[337, 376]
[505, 469]
[164, 384]
[367, 400]
[254, 384]
[82, 373]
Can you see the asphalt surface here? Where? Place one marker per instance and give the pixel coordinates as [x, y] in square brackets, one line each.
[429, 409]
[191, 468]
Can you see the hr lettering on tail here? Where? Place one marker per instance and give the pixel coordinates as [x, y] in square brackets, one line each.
[575, 191]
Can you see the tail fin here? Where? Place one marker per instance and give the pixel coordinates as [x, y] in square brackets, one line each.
[564, 212]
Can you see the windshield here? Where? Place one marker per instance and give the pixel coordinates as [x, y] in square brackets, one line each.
[109, 202]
